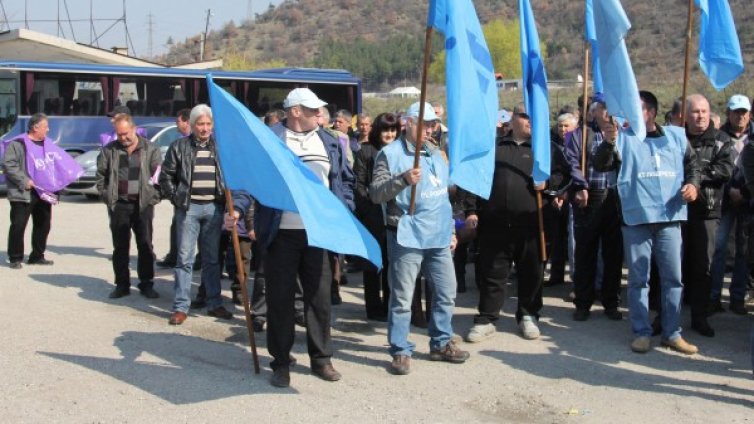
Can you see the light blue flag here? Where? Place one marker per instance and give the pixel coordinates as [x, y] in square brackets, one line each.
[621, 92]
[472, 95]
[254, 159]
[535, 93]
[719, 49]
[591, 37]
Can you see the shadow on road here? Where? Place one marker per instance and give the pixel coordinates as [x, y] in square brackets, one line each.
[178, 368]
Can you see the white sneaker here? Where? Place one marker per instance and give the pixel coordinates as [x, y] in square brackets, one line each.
[480, 332]
[528, 327]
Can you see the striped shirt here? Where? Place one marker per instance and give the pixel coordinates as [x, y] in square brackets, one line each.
[203, 181]
[310, 148]
[129, 167]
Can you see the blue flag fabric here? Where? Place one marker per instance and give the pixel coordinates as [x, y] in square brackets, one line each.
[719, 48]
[254, 159]
[535, 93]
[591, 37]
[621, 92]
[472, 95]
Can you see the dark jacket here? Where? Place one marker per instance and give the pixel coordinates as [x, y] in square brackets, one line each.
[16, 177]
[369, 213]
[747, 167]
[244, 204]
[737, 180]
[107, 173]
[512, 202]
[713, 153]
[267, 220]
[178, 169]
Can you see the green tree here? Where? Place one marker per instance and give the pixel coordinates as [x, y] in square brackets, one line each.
[503, 40]
[234, 60]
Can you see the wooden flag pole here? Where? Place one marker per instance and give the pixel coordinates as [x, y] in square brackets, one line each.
[241, 276]
[585, 107]
[689, 23]
[420, 123]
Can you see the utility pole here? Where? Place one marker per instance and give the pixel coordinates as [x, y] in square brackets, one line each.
[150, 25]
[203, 42]
[5, 17]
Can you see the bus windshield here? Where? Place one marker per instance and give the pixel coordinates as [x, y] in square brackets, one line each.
[7, 104]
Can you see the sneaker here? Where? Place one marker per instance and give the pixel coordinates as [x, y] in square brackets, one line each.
[641, 344]
[449, 353]
[528, 327]
[480, 332]
[738, 308]
[401, 365]
[39, 261]
[680, 345]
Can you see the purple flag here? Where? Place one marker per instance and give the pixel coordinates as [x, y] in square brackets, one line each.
[50, 167]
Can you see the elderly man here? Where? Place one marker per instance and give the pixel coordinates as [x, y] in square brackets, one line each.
[287, 255]
[125, 182]
[190, 178]
[35, 169]
[657, 176]
[422, 241]
[735, 213]
[713, 152]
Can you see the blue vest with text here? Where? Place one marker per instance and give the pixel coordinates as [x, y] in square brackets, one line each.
[431, 225]
[651, 177]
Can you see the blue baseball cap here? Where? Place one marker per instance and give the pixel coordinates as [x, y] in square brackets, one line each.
[429, 111]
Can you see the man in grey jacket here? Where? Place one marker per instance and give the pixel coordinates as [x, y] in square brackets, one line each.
[126, 170]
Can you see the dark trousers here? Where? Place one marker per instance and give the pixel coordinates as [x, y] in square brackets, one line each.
[598, 223]
[376, 289]
[289, 256]
[698, 248]
[124, 219]
[497, 253]
[556, 223]
[41, 215]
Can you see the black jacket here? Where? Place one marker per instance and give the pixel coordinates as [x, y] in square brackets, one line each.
[513, 201]
[713, 154]
[178, 168]
[369, 213]
[107, 173]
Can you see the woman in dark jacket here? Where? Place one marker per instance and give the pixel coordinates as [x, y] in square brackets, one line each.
[385, 129]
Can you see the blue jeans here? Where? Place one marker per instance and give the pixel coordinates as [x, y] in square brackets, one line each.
[663, 242]
[732, 218]
[437, 267]
[202, 222]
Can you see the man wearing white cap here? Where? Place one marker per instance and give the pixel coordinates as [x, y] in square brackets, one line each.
[734, 211]
[286, 253]
[419, 242]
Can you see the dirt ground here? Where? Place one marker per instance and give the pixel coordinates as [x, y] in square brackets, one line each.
[71, 354]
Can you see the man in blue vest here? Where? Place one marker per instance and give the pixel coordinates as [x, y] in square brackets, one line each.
[657, 177]
[419, 242]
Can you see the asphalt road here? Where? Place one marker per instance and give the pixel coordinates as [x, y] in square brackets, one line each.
[71, 354]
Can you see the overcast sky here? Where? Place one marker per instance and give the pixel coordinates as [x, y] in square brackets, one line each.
[176, 18]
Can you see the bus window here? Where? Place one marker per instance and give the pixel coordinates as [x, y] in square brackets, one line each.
[150, 96]
[263, 96]
[58, 95]
[7, 104]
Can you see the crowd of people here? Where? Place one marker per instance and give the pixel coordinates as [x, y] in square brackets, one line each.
[664, 207]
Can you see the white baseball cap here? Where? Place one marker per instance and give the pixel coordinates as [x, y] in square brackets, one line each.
[739, 101]
[429, 111]
[304, 97]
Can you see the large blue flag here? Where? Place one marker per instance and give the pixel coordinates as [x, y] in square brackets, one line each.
[621, 92]
[591, 37]
[472, 95]
[535, 93]
[254, 159]
[719, 49]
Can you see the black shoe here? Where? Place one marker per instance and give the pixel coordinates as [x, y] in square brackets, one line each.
[236, 296]
[39, 261]
[198, 303]
[335, 298]
[281, 377]
[702, 327]
[343, 280]
[197, 266]
[165, 263]
[581, 314]
[257, 325]
[738, 308]
[300, 320]
[613, 314]
[714, 307]
[147, 290]
[220, 312]
[657, 326]
[15, 265]
[552, 282]
[119, 291]
[377, 317]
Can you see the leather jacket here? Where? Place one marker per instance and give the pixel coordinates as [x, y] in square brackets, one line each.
[177, 172]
